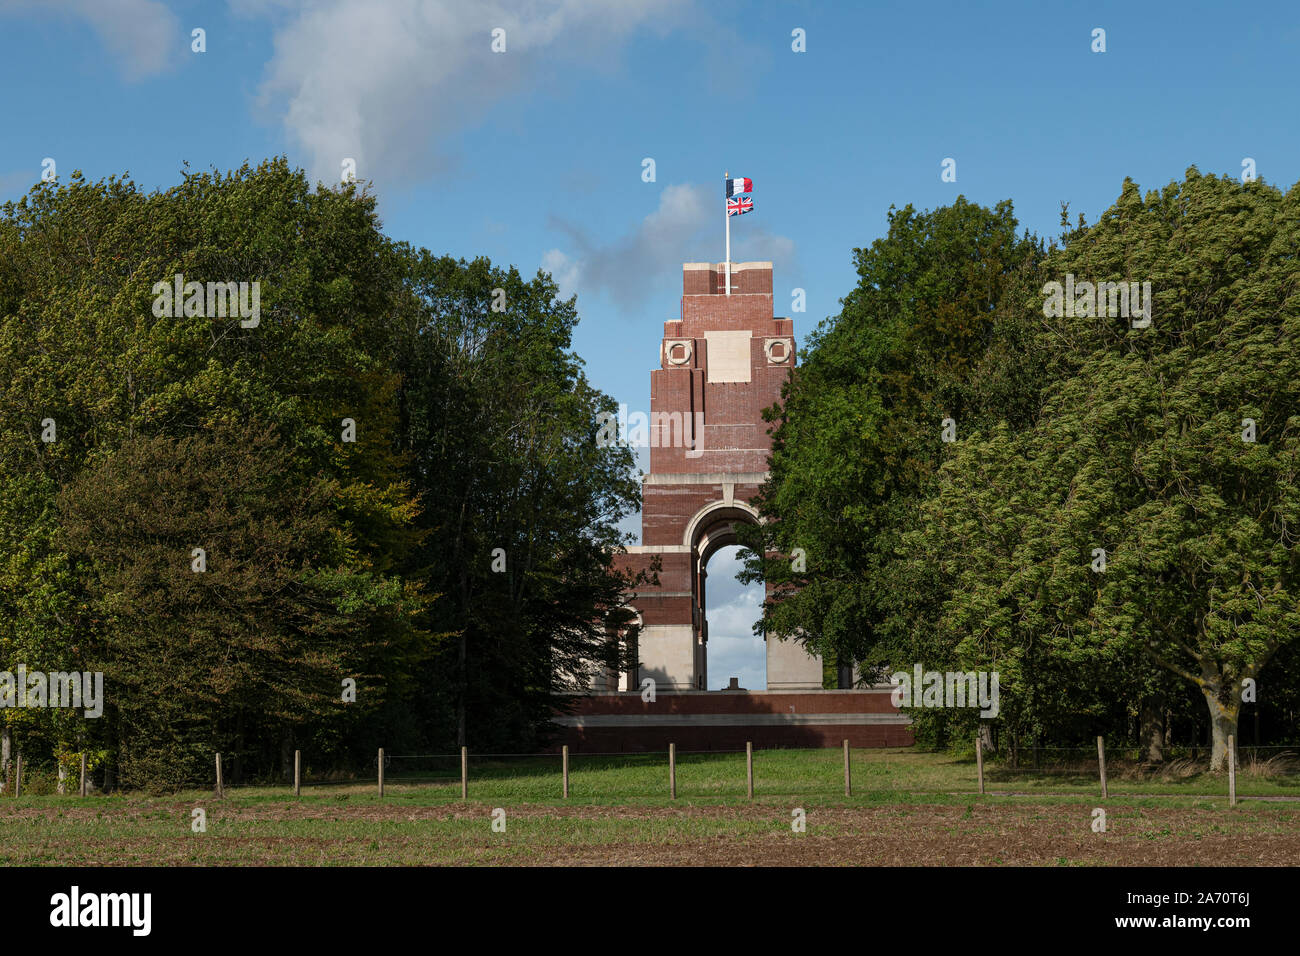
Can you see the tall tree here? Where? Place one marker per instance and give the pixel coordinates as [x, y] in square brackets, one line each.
[1178, 443]
[1119, 504]
[220, 602]
[91, 359]
[520, 503]
[861, 425]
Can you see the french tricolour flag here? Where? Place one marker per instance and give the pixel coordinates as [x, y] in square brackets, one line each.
[737, 186]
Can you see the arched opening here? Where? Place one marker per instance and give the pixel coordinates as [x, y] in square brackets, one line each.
[730, 610]
[618, 670]
[724, 612]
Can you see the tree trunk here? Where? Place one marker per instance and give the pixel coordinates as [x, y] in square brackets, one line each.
[464, 689]
[237, 768]
[1151, 731]
[986, 736]
[1223, 722]
[286, 754]
[63, 777]
[112, 742]
[6, 751]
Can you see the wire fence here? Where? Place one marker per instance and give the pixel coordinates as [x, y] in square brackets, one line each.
[1266, 772]
[1270, 772]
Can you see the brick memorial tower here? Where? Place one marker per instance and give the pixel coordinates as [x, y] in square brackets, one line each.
[720, 365]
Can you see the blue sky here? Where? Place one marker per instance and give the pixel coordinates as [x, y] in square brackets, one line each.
[534, 156]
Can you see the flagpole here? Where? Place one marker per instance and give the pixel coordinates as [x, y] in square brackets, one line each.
[726, 215]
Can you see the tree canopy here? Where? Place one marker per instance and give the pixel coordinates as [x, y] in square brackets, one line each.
[235, 518]
[1115, 521]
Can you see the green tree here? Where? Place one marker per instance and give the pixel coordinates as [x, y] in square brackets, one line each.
[1139, 458]
[1151, 431]
[86, 347]
[220, 600]
[519, 502]
[1078, 432]
[859, 430]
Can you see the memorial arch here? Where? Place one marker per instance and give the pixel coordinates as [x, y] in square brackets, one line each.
[711, 529]
[720, 365]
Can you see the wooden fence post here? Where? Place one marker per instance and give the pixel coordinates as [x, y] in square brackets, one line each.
[83, 774]
[979, 760]
[672, 771]
[749, 768]
[18, 776]
[1101, 764]
[1232, 771]
[297, 773]
[565, 756]
[221, 790]
[381, 772]
[848, 781]
[464, 773]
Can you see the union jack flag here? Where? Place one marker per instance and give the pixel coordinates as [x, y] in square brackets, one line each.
[739, 206]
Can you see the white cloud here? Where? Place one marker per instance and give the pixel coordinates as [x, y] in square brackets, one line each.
[563, 270]
[144, 36]
[684, 227]
[383, 83]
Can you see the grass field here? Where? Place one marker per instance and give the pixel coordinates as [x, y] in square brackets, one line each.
[908, 808]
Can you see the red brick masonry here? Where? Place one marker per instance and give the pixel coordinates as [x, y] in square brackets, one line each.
[725, 720]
